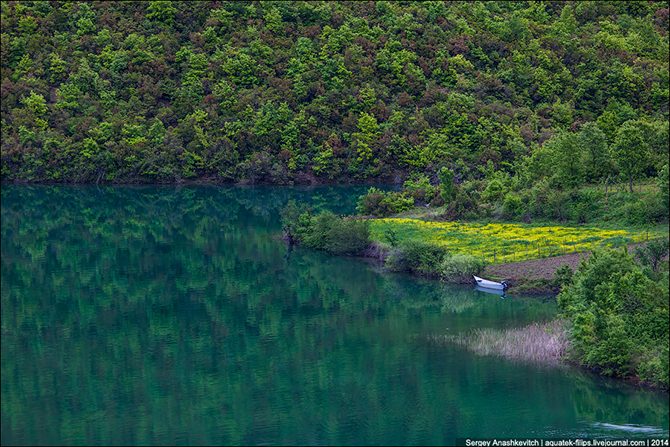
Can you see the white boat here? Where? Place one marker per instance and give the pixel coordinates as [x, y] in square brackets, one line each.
[485, 283]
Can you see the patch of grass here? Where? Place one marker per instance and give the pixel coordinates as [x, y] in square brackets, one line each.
[544, 343]
[504, 242]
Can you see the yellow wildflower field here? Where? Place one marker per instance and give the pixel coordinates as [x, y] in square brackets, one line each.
[501, 242]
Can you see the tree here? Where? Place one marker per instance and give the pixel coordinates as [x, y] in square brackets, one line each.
[596, 156]
[563, 160]
[447, 187]
[631, 151]
[652, 253]
[400, 97]
[368, 132]
[161, 11]
[35, 103]
[664, 187]
[290, 217]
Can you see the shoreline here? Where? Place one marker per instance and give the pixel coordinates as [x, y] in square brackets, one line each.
[541, 343]
[533, 278]
[210, 181]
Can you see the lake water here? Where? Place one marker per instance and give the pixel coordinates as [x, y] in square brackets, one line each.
[144, 315]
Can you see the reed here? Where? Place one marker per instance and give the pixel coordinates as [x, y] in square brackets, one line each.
[544, 343]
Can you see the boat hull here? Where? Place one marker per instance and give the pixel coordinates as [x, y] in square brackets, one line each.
[486, 284]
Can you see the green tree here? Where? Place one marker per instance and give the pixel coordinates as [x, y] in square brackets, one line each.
[631, 151]
[161, 11]
[566, 159]
[368, 132]
[35, 103]
[664, 187]
[618, 316]
[593, 145]
[447, 186]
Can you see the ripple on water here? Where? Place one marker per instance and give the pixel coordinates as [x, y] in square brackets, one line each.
[629, 428]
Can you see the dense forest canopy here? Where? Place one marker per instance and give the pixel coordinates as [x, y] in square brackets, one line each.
[567, 93]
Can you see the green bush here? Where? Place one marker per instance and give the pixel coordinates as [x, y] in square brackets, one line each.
[583, 205]
[349, 236]
[459, 268]
[512, 205]
[635, 212]
[332, 233]
[416, 257]
[619, 317]
[290, 218]
[652, 253]
[563, 276]
[654, 368]
[379, 203]
[419, 188]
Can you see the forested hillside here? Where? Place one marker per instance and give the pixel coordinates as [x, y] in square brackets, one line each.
[507, 94]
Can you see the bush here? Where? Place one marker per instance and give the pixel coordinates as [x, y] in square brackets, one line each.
[379, 203]
[290, 218]
[349, 236]
[652, 253]
[636, 212]
[459, 268]
[338, 235]
[619, 317]
[563, 276]
[512, 205]
[654, 368]
[416, 257]
[419, 188]
[584, 205]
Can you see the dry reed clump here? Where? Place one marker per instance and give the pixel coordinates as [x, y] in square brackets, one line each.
[539, 342]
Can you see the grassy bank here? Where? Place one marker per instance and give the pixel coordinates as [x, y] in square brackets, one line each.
[505, 242]
[454, 251]
[528, 256]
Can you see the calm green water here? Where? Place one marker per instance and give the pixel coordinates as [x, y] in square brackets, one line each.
[175, 316]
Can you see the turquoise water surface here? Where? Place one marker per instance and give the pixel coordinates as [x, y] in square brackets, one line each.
[162, 315]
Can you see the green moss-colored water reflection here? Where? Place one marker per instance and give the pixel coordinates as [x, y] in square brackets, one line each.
[162, 315]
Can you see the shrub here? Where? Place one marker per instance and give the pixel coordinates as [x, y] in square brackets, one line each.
[379, 203]
[654, 368]
[512, 205]
[348, 236]
[636, 212]
[652, 253]
[459, 268]
[584, 204]
[619, 317]
[339, 235]
[419, 188]
[563, 276]
[290, 218]
[416, 257]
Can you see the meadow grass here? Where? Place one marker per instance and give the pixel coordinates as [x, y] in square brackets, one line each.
[505, 242]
